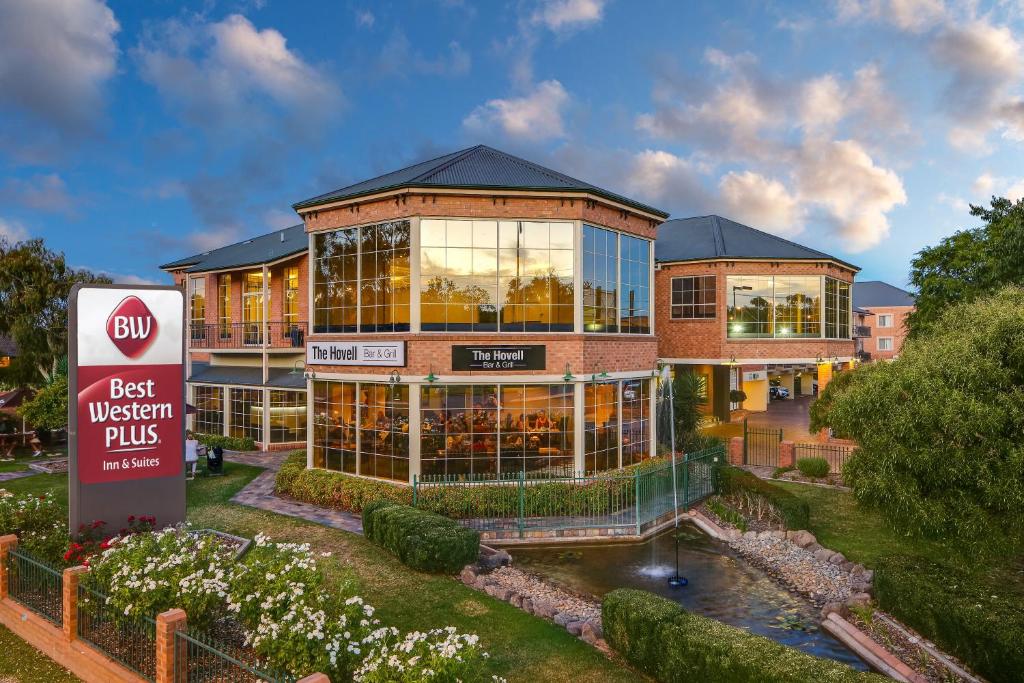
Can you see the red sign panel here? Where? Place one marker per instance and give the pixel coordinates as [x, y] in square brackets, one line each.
[129, 422]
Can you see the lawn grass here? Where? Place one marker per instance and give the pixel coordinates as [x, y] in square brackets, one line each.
[22, 663]
[522, 647]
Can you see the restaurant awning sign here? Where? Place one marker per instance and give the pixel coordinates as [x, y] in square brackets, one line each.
[499, 357]
[126, 422]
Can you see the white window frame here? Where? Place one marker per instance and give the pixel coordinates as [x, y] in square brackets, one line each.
[885, 320]
[879, 341]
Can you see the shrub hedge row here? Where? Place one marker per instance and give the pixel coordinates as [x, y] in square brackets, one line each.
[334, 489]
[796, 513]
[816, 468]
[665, 641]
[419, 539]
[965, 614]
[231, 443]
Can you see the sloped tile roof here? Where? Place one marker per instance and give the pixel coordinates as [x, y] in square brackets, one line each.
[871, 293]
[267, 248]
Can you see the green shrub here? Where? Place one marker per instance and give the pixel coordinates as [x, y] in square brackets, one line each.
[39, 522]
[229, 443]
[975, 619]
[815, 468]
[334, 489]
[795, 512]
[674, 646]
[727, 514]
[779, 471]
[420, 539]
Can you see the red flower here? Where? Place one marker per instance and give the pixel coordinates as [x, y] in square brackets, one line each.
[131, 518]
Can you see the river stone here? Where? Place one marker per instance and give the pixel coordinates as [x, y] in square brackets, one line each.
[563, 618]
[868, 575]
[733, 534]
[813, 548]
[468, 575]
[846, 566]
[837, 559]
[480, 583]
[750, 535]
[527, 605]
[575, 628]
[543, 608]
[591, 632]
[516, 600]
[823, 555]
[497, 592]
[839, 608]
[857, 570]
[858, 599]
[803, 538]
[778, 533]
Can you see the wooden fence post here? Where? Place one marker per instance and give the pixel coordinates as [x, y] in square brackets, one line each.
[70, 601]
[7, 544]
[167, 624]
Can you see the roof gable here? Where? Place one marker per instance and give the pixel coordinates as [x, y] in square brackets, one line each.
[874, 293]
[715, 237]
[266, 248]
[479, 167]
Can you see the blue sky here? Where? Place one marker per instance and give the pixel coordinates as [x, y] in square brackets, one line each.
[132, 133]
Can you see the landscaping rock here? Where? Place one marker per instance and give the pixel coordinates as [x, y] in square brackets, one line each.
[822, 555]
[733, 534]
[497, 592]
[516, 600]
[777, 533]
[868, 575]
[807, 573]
[575, 628]
[858, 600]
[590, 633]
[803, 538]
[839, 608]
[562, 618]
[813, 548]
[750, 535]
[527, 605]
[857, 570]
[846, 566]
[468, 575]
[837, 559]
[498, 558]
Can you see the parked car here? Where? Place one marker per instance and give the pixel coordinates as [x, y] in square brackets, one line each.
[778, 392]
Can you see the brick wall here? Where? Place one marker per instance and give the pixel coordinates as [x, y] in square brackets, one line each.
[477, 206]
[707, 338]
[898, 330]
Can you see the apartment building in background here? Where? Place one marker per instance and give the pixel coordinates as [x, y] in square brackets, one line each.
[888, 308]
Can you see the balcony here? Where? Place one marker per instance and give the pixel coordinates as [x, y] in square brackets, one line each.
[863, 356]
[861, 331]
[255, 336]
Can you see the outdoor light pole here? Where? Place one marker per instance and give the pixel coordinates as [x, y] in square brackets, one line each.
[676, 581]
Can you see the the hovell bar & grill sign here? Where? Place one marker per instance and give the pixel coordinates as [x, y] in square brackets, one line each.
[127, 404]
[499, 357]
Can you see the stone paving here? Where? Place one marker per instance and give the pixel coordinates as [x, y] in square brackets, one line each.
[259, 493]
[8, 476]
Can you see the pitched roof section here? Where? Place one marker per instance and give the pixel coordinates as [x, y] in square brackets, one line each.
[476, 168]
[267, 248]
[714, 237]
[872, 293]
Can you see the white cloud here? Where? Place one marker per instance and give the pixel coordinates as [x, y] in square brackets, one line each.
[958, 204]
[537, 115]
[125, 278]
[822, 104]
[218, 73]
[908, 15]
[365, 18]
[55, 58]
[1015, 191]
[397, 58]
[855, 193]
[567, 15]
[42, 192]
[764, 202]
[12, 231]
[984, 184]
[660, 176]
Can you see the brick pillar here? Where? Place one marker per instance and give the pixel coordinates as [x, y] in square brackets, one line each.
[315, 678]
[7, 544]
[787, 454]
[70, 600]
[167, 624]
[736, 450]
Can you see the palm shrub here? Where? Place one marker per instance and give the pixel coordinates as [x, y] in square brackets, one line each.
[689, 396]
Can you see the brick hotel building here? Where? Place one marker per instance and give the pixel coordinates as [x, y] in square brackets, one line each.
[478, 314]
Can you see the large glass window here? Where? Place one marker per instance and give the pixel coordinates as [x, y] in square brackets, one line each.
[635, 273]
[252, 307]
[334, 426]
[197, 306]
[636, 420]
[384, 277]
[290, 312]
[601, 426]
[797, 306]
[209, 404]
[694, 297]
[384, 431]
[247, 414]
[600, 280]
[485, 276]
[535, 424]
[336, 281]
[751, 302]
[361, 279]
[287, 416]
[224, 304]
[837, 309]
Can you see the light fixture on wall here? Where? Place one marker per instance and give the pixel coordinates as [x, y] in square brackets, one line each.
[431, 377]
[731, 361]
[819, 360]
[568, 376]
[600, 377]
[295, 368]
[394, 377]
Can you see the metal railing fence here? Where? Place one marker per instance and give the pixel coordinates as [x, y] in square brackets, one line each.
[128, 640]
[523, 502]
[761, 445]
[36, 585]
[836, 454]
[201, 658]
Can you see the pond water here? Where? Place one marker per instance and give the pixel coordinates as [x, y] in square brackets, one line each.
[721, 585]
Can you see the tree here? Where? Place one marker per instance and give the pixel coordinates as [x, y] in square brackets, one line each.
[969, 263]
[34, 287]
[689, 395]
[48, 409]
[941, 429]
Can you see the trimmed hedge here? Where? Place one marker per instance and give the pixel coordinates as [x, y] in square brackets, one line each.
[816, 468]
[230, 443]
[334, 489]
[970, 617]
[665, 641]
[796, 513]
[419, 539]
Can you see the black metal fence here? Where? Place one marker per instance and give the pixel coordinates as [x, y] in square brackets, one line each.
[36, 585]
[128, 640]
[761, 445]
[200, 658]
[836, 454]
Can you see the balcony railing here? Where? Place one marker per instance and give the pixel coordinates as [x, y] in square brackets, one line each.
[271, 335]
[861, 331]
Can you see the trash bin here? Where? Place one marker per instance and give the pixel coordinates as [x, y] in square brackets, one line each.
[215, 460]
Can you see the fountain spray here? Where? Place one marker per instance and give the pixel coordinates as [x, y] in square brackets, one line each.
[676, 581]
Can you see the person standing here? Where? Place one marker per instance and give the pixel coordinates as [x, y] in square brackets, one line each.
[191, 453]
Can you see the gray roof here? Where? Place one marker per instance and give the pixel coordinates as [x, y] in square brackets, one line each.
[281, 378]
[267, 248]
[477, 168]
[873, 293]
[714, 237]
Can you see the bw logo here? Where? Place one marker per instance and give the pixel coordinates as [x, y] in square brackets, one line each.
[132, 327]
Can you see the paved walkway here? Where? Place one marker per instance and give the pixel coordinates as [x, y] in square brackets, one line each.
[8, 476]
[259, 493]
